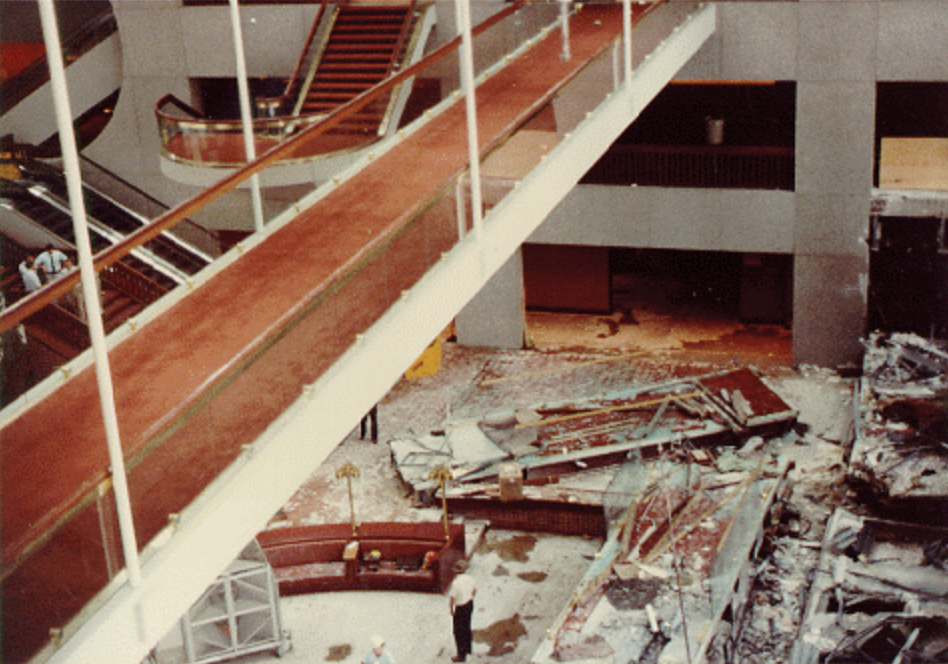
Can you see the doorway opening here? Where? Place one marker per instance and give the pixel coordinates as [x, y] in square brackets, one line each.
[628, 299]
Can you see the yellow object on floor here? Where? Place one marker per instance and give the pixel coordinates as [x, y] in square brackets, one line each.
[429, 362]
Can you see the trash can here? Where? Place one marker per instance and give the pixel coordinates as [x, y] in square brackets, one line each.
[714, 130]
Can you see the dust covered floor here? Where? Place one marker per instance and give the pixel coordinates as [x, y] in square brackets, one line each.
[526, 579]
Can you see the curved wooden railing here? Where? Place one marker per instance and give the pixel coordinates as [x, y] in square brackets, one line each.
[39, 299]
[187, 136]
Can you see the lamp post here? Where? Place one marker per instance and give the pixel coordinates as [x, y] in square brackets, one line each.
[349, 471]
[442, 474]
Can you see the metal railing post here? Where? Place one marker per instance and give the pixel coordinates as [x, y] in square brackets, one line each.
[564, 25]
[627, 40]
[243, 92]
[90, 292]
[467, 80]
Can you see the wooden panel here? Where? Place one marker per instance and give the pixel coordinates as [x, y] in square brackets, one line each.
[566, 278]
[914, 163]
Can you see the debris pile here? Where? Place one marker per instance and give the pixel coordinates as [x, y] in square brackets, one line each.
[880, 594]
[729, 524]
[899, 459]
[679, 473]
[552, 443]
[674, 563]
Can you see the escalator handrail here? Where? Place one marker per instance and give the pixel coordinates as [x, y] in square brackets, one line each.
[139, 218]
[32, 77]
[192, 226]
[97, 229]
[40, 298]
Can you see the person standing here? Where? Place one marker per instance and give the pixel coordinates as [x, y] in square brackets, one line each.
[378, 655]
[370, 424]
[461, 601]
[31, 280]
[51, 261]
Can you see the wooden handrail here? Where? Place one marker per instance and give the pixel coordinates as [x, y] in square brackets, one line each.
[51, 292]
[402, 36]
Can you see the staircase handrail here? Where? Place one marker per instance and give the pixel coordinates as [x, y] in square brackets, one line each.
[316, 58]
[409, 33]
[171, 100]
[32, 77]
[402, 37]
[265, 104]
[111, 255]
[64, 325]
[278, 126]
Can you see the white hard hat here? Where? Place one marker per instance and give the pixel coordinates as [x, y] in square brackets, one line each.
[377, 641]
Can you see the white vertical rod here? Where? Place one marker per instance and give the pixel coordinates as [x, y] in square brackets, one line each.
[467, 79]
[461, 204]
[90, 291]
[564, 24]
[627, 39]
[243, 92]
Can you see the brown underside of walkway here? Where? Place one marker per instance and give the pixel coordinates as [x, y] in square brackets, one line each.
[210, 374]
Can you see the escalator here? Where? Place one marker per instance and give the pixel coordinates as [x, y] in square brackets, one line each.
[37, 205]
[90, 46]
[167, 253]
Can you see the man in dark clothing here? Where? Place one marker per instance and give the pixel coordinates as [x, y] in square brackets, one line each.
[462, 608]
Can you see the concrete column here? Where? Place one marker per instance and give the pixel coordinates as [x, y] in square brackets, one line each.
[495, 317]
[836, 64]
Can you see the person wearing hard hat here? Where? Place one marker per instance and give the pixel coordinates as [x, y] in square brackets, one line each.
[378, 655]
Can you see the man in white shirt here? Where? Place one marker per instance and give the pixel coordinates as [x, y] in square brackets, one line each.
[31, 280]
[462, 608]
[51, 262]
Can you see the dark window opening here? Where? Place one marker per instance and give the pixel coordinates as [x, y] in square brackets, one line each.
[708, 135]
[908, 277]
[745, 287]
[218, 98]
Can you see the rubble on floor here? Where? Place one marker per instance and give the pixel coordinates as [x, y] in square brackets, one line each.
[560, 439]
[879, 594]
[678, 556]
[726, 501]
[899, 459]
[677, 469]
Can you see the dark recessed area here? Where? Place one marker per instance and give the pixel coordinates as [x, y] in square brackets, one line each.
[758, 114]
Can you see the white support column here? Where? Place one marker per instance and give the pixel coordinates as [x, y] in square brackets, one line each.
[90, 291]
[467, 80]
[243, 92]
[627, 39]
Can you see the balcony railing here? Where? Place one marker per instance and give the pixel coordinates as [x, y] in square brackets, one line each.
[698, 166]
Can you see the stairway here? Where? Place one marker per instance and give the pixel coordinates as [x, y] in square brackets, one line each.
[363, 48]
